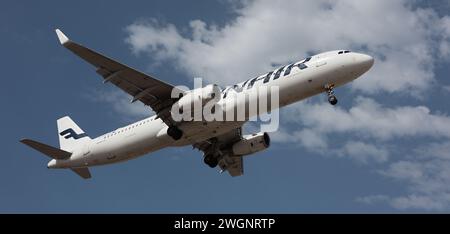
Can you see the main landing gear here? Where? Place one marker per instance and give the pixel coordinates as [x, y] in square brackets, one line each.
[331, 98]
[175, 133]
[210, 160]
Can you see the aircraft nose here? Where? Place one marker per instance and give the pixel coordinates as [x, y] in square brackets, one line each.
[365, 61]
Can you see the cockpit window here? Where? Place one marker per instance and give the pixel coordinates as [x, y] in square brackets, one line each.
[307, 59]
[237, 88]
[252, 82]
[243, 85]
[278, 73]
[225, 92]
[346, 52]
[341, 52]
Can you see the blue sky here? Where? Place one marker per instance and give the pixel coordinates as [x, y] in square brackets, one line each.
[384, 149]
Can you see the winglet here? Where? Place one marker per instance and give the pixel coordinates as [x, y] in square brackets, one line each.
[63, 39]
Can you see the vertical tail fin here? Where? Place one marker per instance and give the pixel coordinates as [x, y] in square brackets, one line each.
[70, 135]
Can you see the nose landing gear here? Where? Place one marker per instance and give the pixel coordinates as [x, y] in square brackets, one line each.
[331, 98]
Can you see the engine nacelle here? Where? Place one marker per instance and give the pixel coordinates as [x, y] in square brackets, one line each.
[251, 144]
[199, 96]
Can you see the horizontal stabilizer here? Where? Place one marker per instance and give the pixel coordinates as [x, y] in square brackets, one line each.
[83, 172]
[50, 151]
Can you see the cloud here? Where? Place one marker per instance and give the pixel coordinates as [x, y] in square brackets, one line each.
[265, 33]
[426, 172]
[368, 119]
[120, 102]
[407, 41]
[420, 202]
[428, 182]
[364, 152]
[404, 170]
[373, 124]
[306, 137]
[424, 165]
[437, 150]
[374, 199]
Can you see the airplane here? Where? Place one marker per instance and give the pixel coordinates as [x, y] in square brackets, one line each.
[222, 142]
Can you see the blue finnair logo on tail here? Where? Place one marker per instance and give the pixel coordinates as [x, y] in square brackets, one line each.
[70, 133]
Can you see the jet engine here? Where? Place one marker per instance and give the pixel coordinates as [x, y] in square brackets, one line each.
[184, 108]
[200, 96]
[251, 144]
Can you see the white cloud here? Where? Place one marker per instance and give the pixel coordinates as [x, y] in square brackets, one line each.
[370, 200]
[420, 202]
[368, 119]
[404, 170]
[373, 124]
[120, 102]
[406, 41]
[437, 150]
[425, 167]
[306, 137]
[444, 27]
[428, 183]
[277, 32]
[427, 176]
[364, 152]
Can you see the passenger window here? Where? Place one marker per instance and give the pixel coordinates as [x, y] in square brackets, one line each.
[268, 77]
[288, 70]
[252, 82]
[237, 88]
[277, 75]
[243, 85]
[302, 66]
[225, 92]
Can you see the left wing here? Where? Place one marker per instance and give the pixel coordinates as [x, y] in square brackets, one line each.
[142, 87]
[220, 146]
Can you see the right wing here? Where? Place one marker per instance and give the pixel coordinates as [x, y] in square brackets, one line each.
[142, 87]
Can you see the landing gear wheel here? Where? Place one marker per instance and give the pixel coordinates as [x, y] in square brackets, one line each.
[175, 133]
[332, 100]
[210, 161]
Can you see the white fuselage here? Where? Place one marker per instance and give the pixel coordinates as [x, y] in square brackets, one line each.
[148, 135]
